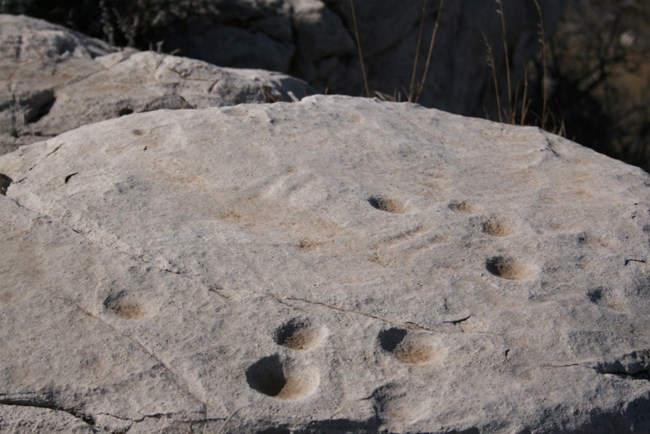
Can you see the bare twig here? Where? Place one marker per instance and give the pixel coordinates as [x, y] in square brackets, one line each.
[525, 102]
[542, 42]
[490, 61]
[358, 40]
[506, 58]
[416, 58]
[432, 42]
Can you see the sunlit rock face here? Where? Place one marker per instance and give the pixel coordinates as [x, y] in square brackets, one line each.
[331, 265]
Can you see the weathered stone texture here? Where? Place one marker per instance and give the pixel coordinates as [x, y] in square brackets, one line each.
[332, 265]
[53, 80]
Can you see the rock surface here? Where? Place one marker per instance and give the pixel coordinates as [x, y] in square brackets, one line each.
[53, 79]
[333, 265]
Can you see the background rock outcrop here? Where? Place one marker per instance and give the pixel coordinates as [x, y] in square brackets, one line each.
[332, 265]
[588, 82]
[53, 79]
[315, 40]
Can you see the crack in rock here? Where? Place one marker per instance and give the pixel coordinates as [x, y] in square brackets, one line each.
[457, 321]
[103, 239]
[550, 146]
[153, 416]
[176, 379]
[567, 365]
[409, 325]
[45, 401]
[112, 243]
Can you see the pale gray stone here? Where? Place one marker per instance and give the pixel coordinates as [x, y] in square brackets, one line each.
[53, 79]
[331, 265]
[32, 418]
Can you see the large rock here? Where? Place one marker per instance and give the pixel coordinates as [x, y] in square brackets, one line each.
[53, 79]
[332, 265]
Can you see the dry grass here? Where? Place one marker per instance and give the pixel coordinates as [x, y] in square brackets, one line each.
[357, 39]
[592, 73]
[516, 110]
[415, 91]
[416, 87]
[514, 107]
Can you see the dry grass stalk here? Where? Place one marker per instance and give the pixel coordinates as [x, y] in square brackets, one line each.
[417, 52]
[432, 42]
[525, 101]
[492, 66]
[542, 42]
[511, 116]
[515, 113]
[358, 41]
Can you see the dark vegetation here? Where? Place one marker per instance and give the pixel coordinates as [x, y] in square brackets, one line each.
[590, 81]
[600, 77]
[132, 23]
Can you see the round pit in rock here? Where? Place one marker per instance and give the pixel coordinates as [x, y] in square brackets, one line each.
[273, 378]
[463, 206]
[299, 334]
[128, 310]
[120, 305]
[497, 227]
[391, 338]
[507, 267]
[384, 204]
[407, 347]
[414, 351]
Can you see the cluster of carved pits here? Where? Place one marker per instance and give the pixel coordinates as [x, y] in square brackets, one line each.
[283, 378]
[505, 267]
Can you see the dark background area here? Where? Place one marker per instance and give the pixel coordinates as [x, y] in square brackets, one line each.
[597, 63]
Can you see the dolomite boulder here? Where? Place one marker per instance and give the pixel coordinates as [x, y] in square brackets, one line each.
[53, 79]
[333, 265]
